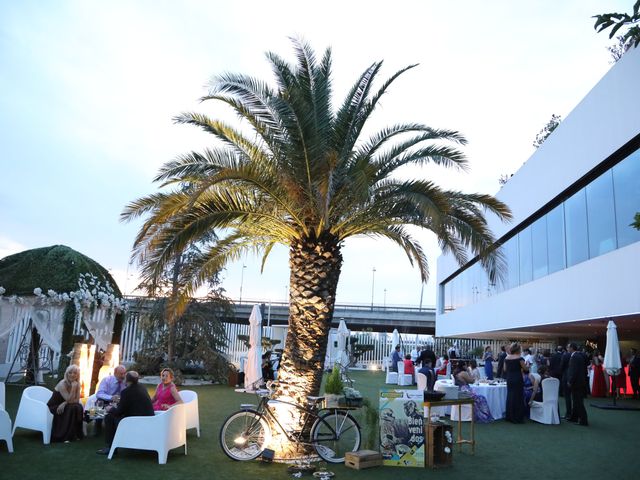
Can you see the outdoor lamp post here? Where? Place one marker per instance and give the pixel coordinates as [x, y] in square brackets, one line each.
[241, 282]
[373, 282]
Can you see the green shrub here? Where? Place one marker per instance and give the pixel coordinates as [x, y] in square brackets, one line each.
[334, 383]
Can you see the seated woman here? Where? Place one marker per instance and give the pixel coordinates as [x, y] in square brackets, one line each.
[442, 370]
[409, 368]
[474, 371]
[461, 375]
[481, 411]
[531, 388]
[166, 392]
[66, 407]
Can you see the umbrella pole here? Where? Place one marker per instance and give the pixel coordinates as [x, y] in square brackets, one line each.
[615, 389]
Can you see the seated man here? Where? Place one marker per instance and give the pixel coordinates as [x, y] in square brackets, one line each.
[134, 402]
[111, 387]
[395, 358]
[428, 372]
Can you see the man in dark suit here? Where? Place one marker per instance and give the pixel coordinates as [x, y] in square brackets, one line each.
[426, 354]
[576, 382]
[564, 389]
[134, 402]
[634, 373]
[555, 363]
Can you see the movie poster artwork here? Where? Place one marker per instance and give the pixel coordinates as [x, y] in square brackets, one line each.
[402, 427]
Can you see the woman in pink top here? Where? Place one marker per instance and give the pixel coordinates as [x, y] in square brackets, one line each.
[166, 393]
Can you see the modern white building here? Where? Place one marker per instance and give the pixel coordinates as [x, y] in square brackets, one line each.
[572, 258]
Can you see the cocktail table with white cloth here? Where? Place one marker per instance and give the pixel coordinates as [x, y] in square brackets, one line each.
[496, 396]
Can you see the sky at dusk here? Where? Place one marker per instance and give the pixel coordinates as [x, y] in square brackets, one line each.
[88, 91]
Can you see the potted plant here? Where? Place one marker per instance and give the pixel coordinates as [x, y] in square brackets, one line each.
[333, 389]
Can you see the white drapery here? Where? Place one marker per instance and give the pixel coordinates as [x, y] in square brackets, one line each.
[48, 320]
[100, 325]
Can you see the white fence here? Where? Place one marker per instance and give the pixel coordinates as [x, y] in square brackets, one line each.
[132, 338]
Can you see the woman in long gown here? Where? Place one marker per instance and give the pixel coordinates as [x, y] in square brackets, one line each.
[488, 362]
[514, 366]
[66, 408]
[598, 388]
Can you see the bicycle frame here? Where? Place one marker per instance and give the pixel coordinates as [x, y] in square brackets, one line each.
[310, 416]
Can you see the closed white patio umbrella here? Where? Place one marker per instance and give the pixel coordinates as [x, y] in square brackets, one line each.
[342, 356]
[395, 340]
[612, 363]
[253, 367]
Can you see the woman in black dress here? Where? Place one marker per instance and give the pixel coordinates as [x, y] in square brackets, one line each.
[514, 366]
[66, 407]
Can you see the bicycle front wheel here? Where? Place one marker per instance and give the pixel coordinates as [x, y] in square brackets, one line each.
[334, 434]
[245, 435]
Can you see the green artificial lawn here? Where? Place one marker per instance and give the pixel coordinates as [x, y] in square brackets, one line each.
[609, 448]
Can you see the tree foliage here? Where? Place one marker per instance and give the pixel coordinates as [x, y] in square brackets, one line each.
[636, 221]
[617, 21]
[547, 130]
[305, 173]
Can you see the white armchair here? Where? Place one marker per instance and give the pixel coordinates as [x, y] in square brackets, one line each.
[404, 379]
[33, 412]
[547, 410]
[2, 397]
[5, 430]
[392, 377]
[421, 380]
[192, 415]
[159, 433]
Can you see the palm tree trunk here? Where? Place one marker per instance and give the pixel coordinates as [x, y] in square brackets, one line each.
[315, 268]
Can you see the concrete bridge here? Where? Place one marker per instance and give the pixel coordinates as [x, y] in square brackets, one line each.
[357, 317]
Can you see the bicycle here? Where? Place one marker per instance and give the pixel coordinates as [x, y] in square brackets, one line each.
[246, 433]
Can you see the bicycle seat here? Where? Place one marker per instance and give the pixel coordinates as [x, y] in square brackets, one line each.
[314, 400]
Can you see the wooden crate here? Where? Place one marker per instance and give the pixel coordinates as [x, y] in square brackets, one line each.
[435, 448]
[363, 459]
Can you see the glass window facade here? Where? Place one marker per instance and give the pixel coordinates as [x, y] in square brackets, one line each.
[593, 221]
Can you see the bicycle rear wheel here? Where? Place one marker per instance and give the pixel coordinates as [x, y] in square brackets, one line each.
[244, 435]
[334, 434]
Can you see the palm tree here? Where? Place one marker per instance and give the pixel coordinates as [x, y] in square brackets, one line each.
[298, 172]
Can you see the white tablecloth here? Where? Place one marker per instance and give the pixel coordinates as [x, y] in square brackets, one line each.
[496, 396]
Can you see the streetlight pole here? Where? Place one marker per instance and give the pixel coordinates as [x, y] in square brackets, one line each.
[421, 293]
[373, 282]
[241, 282]
[385, 298]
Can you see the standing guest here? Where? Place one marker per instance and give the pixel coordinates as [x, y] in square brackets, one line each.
[577, 385]
[134, 402]
[474, 371]
[427, 354]
[634, 373]
[528, 360]
[488, 362]
[501, 357]
[564, 388]
[395, 358]
[66, 407]
[555, 363]
[409, 369]
[514, 367]
[598, 389]
[111, 387]
[621, 379]
[166, 392]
